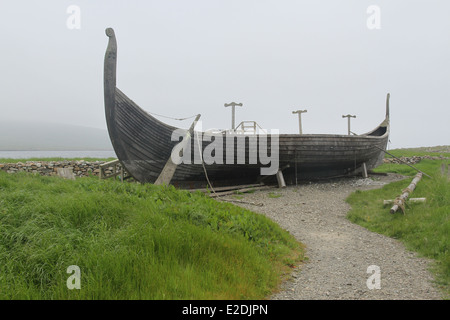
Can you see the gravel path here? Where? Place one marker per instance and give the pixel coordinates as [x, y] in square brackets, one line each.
[340, 252]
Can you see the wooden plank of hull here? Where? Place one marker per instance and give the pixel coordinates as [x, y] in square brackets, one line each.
[143, 144]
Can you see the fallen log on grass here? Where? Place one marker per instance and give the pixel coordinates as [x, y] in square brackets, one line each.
[399, 202]
[386, 202]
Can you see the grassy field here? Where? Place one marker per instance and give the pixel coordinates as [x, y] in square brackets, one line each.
[133, 241]
[423, 151]
[425, 227]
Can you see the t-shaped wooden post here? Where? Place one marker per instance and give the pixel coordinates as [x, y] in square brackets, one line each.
[348, 117]
[232, 105]
[300, 119]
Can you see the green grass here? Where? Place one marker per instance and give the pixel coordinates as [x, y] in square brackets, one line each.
[274, 195]
[425, 165]
[133, 241]
[443, 151]
[425, 227]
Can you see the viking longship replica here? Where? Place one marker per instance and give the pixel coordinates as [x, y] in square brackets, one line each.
[144, 145]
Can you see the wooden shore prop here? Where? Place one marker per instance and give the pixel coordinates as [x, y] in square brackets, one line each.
[229, 190]
[399, 202]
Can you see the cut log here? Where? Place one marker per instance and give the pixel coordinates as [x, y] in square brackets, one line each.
[387, 202]
[227, 188]
[225, 193]
[378, 173]
[399, 202]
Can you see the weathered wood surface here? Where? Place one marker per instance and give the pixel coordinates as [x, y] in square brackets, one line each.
[228, 188]
[244, 190]
[400, 201]
[299, 112]
[280, 179]
[377, 173]
[117, 170]
[66, 173]
[364, 171]
[143, 144]
[391, 201]
[168, 171]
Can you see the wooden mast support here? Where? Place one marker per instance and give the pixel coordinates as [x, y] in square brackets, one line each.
[399, 202]
[233, 105]
[300, 119]
[348, 116]
[168, 171]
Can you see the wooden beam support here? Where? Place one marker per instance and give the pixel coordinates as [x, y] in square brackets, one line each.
[226, 193]
[227, 188]
[116, 171]
[364, 170]
[168, 171]
[280, 179]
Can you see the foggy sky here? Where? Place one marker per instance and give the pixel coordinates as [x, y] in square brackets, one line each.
[180, 58]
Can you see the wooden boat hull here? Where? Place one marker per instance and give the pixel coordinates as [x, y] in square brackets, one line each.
[144, 144]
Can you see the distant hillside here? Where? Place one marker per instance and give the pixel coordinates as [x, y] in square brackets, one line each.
[50, 136]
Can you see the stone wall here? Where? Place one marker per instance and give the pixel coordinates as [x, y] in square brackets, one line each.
[413, 159]
[48, 168]
[84, 168]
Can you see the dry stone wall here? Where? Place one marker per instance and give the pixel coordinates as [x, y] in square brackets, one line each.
[49, 168]
[83, 168]
[413, 159]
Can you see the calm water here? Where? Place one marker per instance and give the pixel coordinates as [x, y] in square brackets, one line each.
[57, 154]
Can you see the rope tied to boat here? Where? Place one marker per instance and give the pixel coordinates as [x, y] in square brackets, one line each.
[172, 118]
[203, 164]
[408, 190]
[400, 203]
